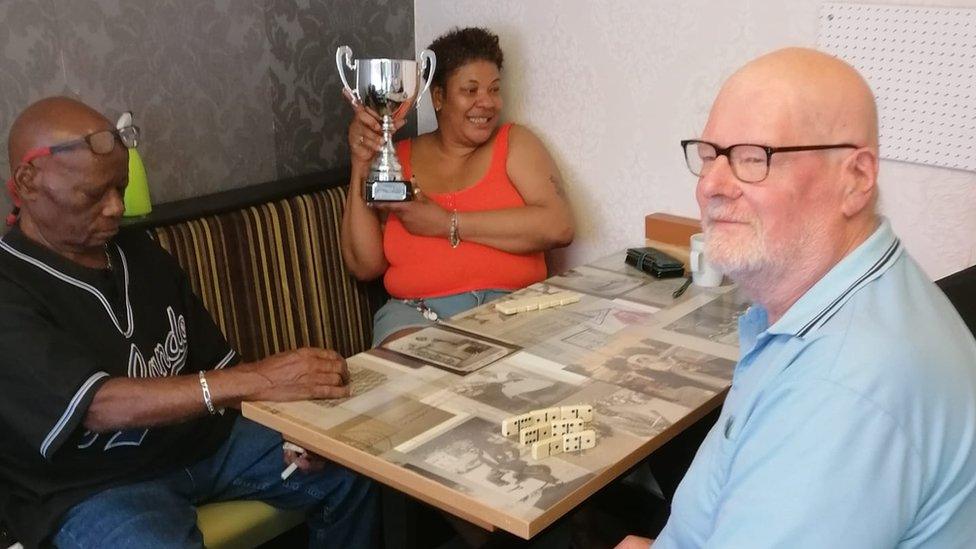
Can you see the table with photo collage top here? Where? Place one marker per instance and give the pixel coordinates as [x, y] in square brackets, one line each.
[426, 411]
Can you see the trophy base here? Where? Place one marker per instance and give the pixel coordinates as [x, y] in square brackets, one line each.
[388, 191]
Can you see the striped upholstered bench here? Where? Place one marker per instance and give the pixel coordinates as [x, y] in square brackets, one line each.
[272, 275]
[265, 260]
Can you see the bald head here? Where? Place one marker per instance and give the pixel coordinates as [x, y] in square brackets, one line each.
[70, 198]
[51, 121]
[777, 235]
[812, 97]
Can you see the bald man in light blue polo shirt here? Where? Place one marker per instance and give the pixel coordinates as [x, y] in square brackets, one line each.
[851, 421]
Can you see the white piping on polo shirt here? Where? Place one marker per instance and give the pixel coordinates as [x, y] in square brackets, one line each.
[69, 411]
[890, 256]
[127, 333]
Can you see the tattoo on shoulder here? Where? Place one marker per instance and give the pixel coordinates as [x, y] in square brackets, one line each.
[558, 185]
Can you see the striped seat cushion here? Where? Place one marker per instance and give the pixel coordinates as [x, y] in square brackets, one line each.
[273, 278]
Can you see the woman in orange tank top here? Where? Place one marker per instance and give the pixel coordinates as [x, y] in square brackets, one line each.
[489, 200]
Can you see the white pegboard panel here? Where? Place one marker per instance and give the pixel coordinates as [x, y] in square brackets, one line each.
[921, 64]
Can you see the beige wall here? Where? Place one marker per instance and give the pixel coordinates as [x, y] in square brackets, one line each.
[612, 85]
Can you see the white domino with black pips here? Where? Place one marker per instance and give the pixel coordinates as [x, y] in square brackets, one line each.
[526, 304]
[584, 440]
[535, 433]
[570, 442]
[563, 426]
[546, 415]
[512, 425]
[548, 447]
[553, 431]
[583, 411]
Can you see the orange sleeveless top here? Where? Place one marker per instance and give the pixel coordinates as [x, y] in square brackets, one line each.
[423, 266]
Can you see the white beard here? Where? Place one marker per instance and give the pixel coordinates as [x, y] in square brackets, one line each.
[737, 249]
[749, 252]
[736, 253]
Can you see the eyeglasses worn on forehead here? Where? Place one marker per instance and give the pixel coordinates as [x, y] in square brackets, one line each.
[749, 162]
[100, 142]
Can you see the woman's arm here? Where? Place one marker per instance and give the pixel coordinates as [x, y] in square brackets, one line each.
[361, 235]
[544, 223]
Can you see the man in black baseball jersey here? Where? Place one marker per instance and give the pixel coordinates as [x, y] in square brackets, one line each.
[114, 378]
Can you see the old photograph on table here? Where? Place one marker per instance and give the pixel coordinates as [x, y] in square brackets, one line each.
[638, 414]
[513, 390]
[658, 369]
[307, 413]
[475, 454]
[488, 321]
[623, 420]
[376, 385]
[375, 380]
[452, 351]
[361, 381]
[659, 292]
[401, 367]
[717, 320]
[596, 282]
[532, 327]
[516, 329]
[598, 327]
[646, 354]
[389, 424]
[571, 345]
[452, 484]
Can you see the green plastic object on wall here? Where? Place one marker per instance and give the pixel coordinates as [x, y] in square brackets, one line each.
[136, 199]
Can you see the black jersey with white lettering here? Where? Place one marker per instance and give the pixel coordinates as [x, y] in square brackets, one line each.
[66, 329]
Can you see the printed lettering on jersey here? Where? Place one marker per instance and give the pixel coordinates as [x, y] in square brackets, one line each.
[168, 358]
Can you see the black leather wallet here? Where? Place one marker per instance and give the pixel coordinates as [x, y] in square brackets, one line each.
[654, 262]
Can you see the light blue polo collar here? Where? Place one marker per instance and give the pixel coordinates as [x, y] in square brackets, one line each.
[867, 262]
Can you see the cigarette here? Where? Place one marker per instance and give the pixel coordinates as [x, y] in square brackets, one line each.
[288, 471]
[291, 468]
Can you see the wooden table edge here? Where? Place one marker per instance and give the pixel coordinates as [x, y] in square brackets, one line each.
[443, 497]
[607, 475]
[388, 473]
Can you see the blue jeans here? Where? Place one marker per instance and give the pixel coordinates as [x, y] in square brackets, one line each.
[343, 508]
[398, 314]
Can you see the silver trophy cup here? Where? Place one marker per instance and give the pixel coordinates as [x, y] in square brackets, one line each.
[389, 87]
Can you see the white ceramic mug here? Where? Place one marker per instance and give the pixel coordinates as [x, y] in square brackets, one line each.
[703, 272]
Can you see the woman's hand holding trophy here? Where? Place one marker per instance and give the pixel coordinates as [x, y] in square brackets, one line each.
[384, 92]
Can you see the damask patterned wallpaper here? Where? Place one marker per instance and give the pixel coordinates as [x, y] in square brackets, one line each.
[228, 93]
[310, 114]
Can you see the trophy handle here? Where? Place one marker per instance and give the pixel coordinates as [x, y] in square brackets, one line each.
[346, 51]
[427, 58]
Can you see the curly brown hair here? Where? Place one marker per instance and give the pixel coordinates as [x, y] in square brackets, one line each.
[461, 46]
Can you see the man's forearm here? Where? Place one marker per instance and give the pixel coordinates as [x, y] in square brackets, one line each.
[123, 402]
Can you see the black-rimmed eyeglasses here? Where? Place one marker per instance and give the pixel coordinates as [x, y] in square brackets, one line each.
[100, 142]
[749, 162]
